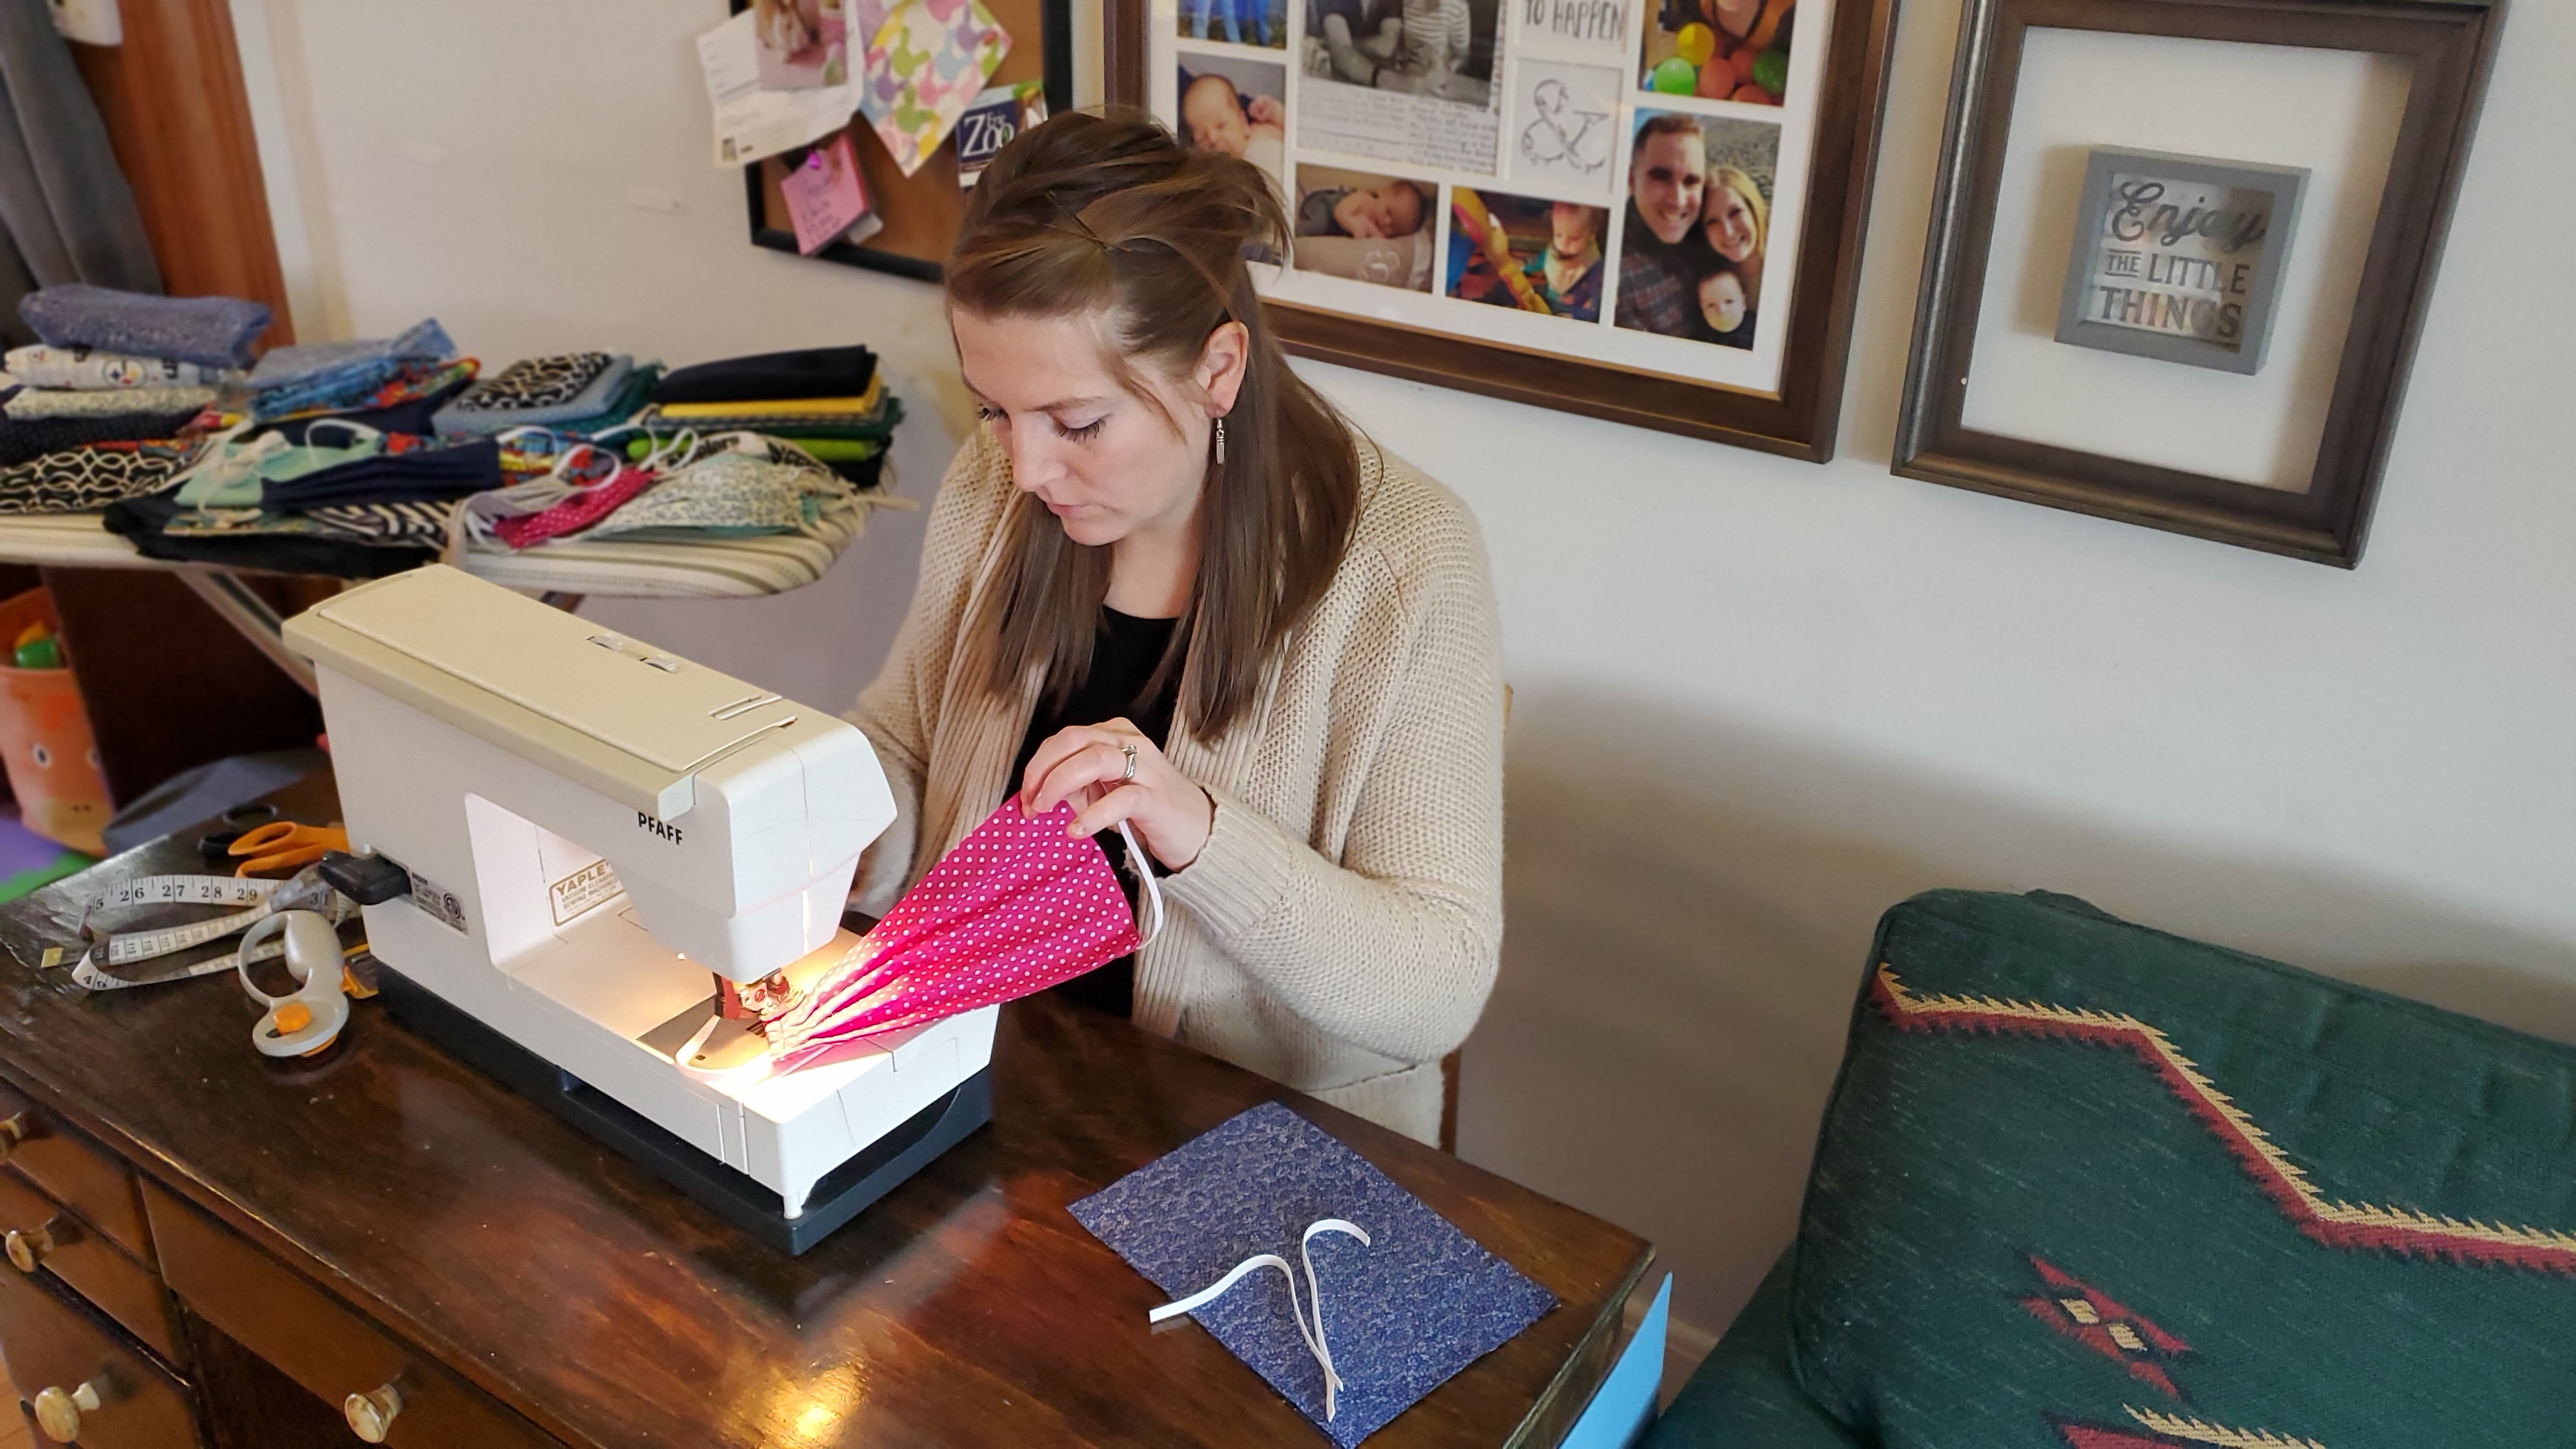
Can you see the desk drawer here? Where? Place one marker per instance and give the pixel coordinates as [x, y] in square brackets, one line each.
[117, 1285]
[72, 1170]
[49, 1345]
[328, 1349]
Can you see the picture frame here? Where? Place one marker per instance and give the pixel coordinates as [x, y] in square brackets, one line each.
[2179, 257]
[1562, 143]
[2364, 267]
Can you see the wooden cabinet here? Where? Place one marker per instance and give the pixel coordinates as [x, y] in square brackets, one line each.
[386, 1392]
[86, 1384]
[44, 1237]
[93, 1333]
[72, 1170]
[87, 1332]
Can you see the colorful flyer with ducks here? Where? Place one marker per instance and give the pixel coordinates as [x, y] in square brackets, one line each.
[925, 66]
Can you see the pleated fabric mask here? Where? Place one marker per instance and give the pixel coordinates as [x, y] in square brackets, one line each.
[1018, 906]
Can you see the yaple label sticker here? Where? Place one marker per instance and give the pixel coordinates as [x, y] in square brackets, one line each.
[592, 885]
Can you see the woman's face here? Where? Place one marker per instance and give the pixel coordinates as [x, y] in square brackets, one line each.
[1105, 462]
[1732, 231]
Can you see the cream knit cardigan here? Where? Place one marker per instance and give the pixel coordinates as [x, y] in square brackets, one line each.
[1339, 931]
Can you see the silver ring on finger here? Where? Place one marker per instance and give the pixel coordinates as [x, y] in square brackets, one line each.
[1129, 775]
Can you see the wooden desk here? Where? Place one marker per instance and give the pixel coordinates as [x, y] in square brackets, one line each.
[386, 1213]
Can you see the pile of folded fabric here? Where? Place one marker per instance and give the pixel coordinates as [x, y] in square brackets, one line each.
[365, 457]
[828, 401]
[324, 459]
[114, 401]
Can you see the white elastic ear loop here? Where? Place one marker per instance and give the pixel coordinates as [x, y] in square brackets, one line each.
[679, 445]
[1144, 869]
[357, 432]
[1315, 1336]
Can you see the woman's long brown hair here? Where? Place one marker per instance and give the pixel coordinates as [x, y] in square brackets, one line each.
[1111, 215]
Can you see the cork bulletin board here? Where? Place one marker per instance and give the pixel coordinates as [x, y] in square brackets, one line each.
[921, 211]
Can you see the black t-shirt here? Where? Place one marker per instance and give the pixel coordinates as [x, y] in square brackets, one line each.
[1124, 657]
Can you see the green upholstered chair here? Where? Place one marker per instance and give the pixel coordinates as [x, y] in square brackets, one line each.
[2084, 1185]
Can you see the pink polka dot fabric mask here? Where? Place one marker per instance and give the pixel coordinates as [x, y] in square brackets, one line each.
[1017, 907]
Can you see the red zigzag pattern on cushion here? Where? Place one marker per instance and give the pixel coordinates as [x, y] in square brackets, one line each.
[2336, 1224]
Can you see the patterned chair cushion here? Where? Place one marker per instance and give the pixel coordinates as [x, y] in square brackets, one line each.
[2086, 1184]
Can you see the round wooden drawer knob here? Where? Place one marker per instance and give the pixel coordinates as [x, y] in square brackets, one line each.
[28, 1247]
[13, 1130]
[371, 1415]
[59, 1413]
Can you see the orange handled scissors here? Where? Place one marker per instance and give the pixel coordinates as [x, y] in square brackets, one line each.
[283, 847]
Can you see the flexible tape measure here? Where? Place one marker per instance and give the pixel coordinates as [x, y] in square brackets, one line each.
[184, 890]
[86, 975]
[306, 891]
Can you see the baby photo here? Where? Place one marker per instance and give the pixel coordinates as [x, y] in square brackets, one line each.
[802, 43]
[1233, 105]
[1444, 49]
[1237, 22]
[1520, 251]
[1364, 227]
[1698, 224]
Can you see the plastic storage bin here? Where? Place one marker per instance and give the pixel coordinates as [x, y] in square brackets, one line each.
[45, 741]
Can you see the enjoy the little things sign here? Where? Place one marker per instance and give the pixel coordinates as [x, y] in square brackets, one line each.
[2179, 258]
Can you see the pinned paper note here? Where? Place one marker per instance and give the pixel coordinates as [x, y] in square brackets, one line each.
[824, 195]
[751, 122]
[925, 66]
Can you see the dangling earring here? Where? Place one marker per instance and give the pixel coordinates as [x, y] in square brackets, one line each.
[1220, 442]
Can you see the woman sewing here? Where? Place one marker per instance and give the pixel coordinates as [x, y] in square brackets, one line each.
[1167, 582]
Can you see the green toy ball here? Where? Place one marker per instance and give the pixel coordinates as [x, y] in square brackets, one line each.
[1771, 71]
[1674, 77]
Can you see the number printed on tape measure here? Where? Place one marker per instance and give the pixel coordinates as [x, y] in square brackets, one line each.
[185, 890]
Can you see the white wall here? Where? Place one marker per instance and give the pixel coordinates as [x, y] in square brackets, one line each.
[1758, 701]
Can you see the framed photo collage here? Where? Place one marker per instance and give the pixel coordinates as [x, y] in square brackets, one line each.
[1583, 199]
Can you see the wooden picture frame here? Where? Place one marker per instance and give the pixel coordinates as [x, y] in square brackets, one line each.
[1799, 420]
[2446, 45]
[921, 211]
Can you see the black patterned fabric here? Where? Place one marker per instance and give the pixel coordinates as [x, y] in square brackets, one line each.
[24, 442]
[80, 480]
[399, 524]
[535, 382]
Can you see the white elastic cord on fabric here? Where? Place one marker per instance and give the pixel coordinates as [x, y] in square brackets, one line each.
[1314, 1335]
[1143, 866]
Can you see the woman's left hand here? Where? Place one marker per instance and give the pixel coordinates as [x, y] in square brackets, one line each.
[1087, 764]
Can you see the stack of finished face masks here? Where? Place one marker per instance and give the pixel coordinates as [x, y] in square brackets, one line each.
[828, 401]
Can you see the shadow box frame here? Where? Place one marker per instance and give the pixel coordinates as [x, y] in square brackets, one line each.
[888, 188]
[1801, 421]
[2450, 47]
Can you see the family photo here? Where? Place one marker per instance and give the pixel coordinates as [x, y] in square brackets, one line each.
[1698, 219]
[1364, 227]
[1238, 22]
[1520, 251]
[1444, 49]
[1235, 106]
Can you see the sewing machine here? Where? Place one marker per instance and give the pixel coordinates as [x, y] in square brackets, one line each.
[571, 843]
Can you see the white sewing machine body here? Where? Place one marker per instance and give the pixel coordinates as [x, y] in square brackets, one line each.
[589, 828]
